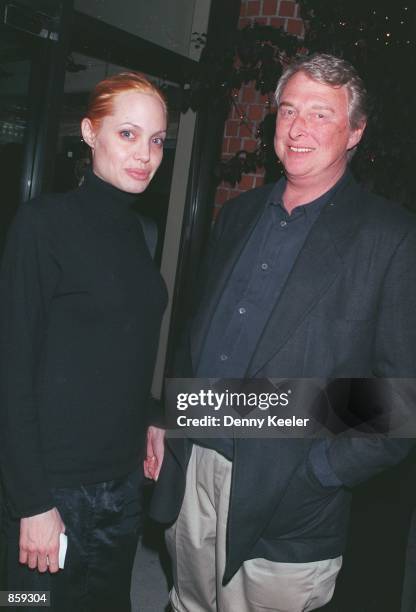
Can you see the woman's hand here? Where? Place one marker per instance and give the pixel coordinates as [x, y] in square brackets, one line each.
[155, 450]
[39, 540]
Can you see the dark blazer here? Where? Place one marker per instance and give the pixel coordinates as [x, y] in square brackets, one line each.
[347, 310]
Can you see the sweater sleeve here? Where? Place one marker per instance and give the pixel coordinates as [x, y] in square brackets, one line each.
[29, 274]
[155, 413]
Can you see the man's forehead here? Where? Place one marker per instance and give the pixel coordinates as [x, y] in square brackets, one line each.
[301, 84]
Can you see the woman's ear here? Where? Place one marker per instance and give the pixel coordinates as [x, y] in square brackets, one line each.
[88, 132]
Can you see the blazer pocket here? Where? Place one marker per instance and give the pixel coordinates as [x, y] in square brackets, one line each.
[344, 315]
[307, 509]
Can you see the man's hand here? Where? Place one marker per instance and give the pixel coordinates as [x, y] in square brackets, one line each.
[39, 540]
[155, 451]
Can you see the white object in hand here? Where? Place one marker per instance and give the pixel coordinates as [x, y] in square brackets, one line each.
[63, 545]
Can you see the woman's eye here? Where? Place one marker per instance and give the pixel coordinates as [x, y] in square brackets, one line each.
[158, 141]
[126, 134]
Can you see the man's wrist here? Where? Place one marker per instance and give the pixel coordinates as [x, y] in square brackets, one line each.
[320, 466]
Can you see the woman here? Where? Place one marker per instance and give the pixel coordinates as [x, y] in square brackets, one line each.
[81, 307]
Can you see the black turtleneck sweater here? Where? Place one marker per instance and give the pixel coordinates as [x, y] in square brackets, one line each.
[81, 306]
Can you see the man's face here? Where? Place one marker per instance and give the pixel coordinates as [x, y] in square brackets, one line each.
[313, 133]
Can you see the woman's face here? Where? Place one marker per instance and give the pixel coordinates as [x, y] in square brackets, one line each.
[127, 146]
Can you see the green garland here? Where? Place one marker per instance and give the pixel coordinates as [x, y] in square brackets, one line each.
[377, 37]
[254, 54]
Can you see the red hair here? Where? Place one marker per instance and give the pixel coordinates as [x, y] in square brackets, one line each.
[102, 96]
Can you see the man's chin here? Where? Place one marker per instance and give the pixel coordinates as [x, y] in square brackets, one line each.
[297, 172]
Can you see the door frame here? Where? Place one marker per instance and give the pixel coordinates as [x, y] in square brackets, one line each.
[81, 33]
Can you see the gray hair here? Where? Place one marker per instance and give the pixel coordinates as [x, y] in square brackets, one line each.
[336, 72]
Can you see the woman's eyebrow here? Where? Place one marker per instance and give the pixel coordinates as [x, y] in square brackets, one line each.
[140, 127]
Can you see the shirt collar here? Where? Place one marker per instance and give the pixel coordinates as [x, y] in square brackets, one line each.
[309, 208]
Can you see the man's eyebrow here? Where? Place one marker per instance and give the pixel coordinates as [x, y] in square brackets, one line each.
[315, 106]
[322, 107]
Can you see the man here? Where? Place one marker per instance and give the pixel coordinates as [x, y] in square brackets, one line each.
[310, 277]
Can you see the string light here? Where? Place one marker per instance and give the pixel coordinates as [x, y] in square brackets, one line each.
[365, 29]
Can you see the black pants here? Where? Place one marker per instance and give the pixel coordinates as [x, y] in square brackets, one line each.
[103, 523]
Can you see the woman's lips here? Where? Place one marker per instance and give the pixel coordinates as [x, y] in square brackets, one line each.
[138, 175]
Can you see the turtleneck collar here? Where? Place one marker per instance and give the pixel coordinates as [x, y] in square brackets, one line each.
[106, 199]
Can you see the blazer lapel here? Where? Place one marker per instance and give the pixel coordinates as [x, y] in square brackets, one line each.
[316, 268]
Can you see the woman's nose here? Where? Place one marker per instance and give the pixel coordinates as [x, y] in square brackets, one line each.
[142, 151]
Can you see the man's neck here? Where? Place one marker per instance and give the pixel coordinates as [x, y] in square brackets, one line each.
[300, 191]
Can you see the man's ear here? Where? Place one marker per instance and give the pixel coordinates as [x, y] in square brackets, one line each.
[356, 136]
[88, 132]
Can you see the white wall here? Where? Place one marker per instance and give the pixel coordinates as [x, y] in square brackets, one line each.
[167, 23]
[177, 200]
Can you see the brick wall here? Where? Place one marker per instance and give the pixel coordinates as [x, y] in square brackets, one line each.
[243, 135]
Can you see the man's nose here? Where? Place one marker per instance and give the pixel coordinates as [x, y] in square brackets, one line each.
[142, 151]
[299, 127]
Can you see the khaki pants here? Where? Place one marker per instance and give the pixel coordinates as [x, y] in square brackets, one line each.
[196, 543]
